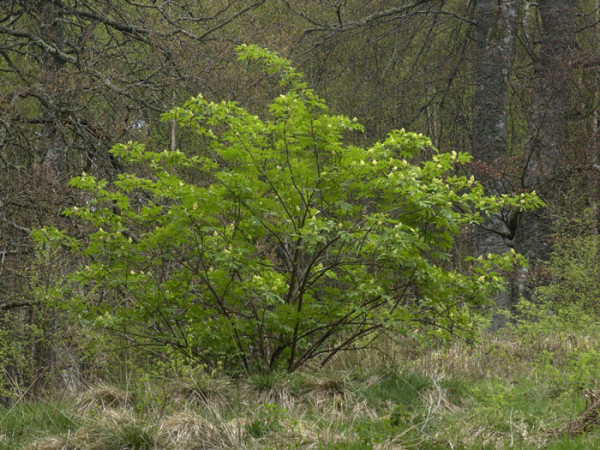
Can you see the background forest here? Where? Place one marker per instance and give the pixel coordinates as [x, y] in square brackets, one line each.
[269, 264]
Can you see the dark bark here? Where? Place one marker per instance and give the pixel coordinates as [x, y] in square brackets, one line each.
[545, 147]
[553, 71]
[496, 32]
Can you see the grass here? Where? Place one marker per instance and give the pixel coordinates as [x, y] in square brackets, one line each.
[25, 420]
[524, 388]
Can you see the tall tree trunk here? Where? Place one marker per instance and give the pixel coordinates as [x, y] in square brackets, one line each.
[53, 149]
[592, 153]
[495, 34]
[549, 106]
[53, 141]
[553, 73]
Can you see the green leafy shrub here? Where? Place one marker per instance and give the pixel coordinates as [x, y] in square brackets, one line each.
[559, 330]
[561, 338]
[268, 419]
[574, 268]
[293, 245]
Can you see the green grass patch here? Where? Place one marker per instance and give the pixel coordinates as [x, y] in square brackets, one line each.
[27, 420]
[396, 388]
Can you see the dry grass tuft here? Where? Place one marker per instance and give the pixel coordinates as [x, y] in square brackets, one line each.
[276, 389]
[330, 391]
[279, 394]
[102, 396]
[200, 390]
[47, 443]
[116, 428]
[186, 429]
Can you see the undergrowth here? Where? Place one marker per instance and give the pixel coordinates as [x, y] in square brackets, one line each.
[532, 385]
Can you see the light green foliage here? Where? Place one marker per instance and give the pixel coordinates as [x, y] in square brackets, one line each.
[563, 324]
[574, 267]
[268, 419]
[12, 354]
[30, 333]
[293, 246]
[562, 339]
